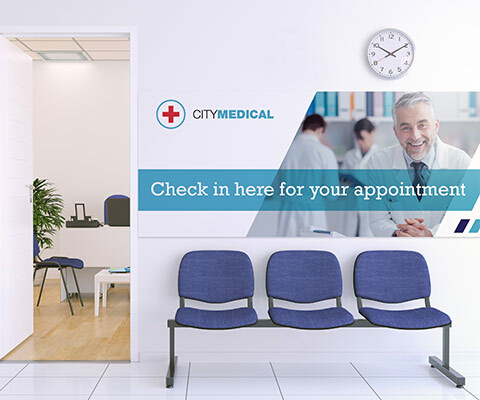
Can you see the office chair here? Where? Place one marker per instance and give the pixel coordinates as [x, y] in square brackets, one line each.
[56, 262]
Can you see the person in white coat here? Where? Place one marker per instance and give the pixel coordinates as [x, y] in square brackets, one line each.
[419, 150]
[356, 223]
[307, 152]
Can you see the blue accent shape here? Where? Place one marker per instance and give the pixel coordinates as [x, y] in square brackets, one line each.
[216, 319]
[391, 276]
[174, 101]
[475, 227]
[418, 318]
[461, 225]
[215, 276]
[311, 109]
[327, 318]
[303, 276]
[238, 190]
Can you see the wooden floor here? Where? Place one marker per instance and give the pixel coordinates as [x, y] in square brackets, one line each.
[58, 335]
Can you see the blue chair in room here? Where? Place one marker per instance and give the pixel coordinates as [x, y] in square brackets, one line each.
[396, 276]
[105, 208]
[306, 277]
[59, 263]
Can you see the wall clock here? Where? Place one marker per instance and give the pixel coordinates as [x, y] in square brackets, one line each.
[390, 53]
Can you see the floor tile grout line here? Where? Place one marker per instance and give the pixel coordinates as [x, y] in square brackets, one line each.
[370, 386]
[96, 385]
[188, 379]
[3, 387]
[276, 380]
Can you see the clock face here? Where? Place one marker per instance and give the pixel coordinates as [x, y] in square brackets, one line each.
[390, 53]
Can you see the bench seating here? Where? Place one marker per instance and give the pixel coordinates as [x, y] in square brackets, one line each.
[309, 276]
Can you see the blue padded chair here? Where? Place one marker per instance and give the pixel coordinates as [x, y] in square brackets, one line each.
[105, 209]
[394, 276]
[306, 277]
[56, 262]
[216, 276]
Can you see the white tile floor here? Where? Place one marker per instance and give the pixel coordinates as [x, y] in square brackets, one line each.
[389, 377]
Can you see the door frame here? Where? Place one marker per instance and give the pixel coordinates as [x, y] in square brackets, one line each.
[85, 31]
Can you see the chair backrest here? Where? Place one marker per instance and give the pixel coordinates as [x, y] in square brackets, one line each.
[215, 276]
[36, 247]
[105, 210]
[303, 276]
[391, 276]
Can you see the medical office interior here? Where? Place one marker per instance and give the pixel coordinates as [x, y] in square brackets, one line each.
[80, 147]
[96, 128]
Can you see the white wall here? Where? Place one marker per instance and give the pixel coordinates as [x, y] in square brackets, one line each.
[289, 45]
[81, 132]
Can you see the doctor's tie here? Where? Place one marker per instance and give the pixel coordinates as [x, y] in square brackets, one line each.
[419, 178]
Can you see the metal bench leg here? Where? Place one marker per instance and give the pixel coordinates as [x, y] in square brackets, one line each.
[173, 360]
[66, 290]
[41, 289]
[78, 288]
[444, 365]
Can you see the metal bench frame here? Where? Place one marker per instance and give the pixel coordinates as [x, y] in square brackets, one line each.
[442, 365]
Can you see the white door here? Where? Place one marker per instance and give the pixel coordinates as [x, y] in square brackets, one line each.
[16, 173]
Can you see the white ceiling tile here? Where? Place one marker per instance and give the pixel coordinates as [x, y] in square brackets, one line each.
[45, 38]
[110, 39]
[105, 45]
[51, 45]
[109, 55]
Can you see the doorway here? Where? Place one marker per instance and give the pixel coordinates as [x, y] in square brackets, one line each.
[84, 125]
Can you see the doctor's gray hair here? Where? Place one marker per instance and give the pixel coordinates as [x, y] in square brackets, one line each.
[409, 100]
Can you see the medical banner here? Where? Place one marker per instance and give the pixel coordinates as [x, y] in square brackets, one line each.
[303, 164]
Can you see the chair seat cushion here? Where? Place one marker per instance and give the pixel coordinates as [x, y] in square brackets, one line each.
[311, 319]
[66, 262]
[418, 318]
[216, 319]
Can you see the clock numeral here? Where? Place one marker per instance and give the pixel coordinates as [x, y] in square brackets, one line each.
[390, 71]
[382, 38]
[375, 63]
[408, 53]
[376, 45]
[372, 54]
[406, 62]
[381, 69]
[399, 69]
[391, 36]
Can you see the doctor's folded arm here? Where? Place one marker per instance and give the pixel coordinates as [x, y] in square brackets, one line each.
[419, 150]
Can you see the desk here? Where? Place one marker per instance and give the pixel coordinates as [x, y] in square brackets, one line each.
[105, 278]
[99, 248]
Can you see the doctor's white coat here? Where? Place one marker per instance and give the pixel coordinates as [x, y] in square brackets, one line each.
[384, 223]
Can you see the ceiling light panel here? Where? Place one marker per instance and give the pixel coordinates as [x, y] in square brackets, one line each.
[109, 55]
[63, 56]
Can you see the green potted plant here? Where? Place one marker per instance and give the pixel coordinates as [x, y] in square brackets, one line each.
[47, 212]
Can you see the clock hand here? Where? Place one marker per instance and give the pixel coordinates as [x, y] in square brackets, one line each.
[386, 51]
[405, 45]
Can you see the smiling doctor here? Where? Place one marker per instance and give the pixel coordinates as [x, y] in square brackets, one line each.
[419, 150]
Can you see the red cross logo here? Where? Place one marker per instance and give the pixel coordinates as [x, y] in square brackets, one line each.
[170, 114]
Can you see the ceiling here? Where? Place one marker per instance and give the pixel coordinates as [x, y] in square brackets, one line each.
[86, 48]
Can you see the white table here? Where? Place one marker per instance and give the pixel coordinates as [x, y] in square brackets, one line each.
[105, 279]
[99, 248]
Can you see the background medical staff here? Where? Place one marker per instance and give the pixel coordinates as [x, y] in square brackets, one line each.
[307, 152]
[355, 223]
